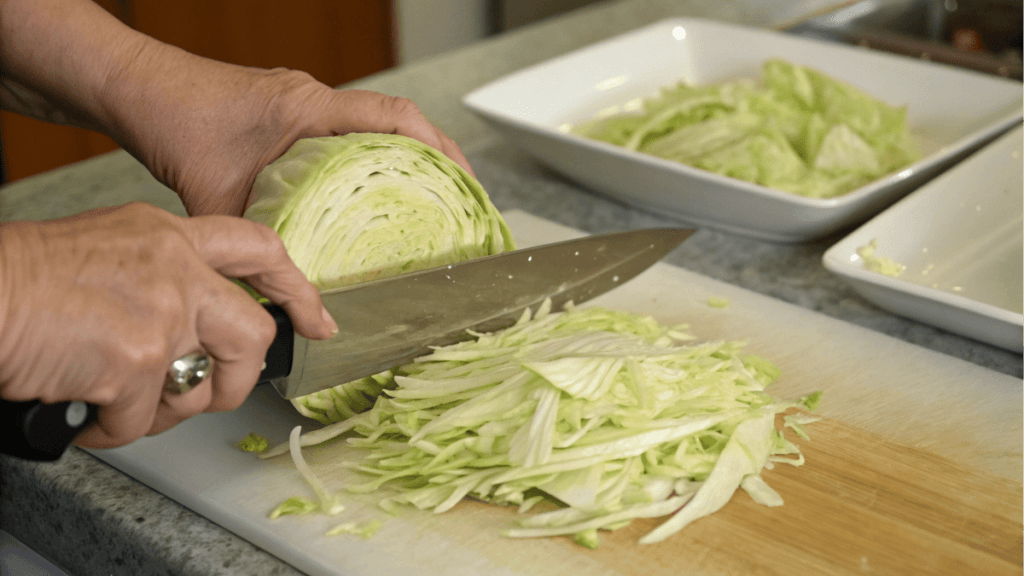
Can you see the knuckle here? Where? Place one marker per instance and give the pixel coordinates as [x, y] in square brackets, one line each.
[149, 237]
[267, 236]
[166, 305]
[401, 107]
[274, 250]
[102, 393]
[146, 354]
[247, 336]
[291, 93]
[261, 332]
[290, 77]
[145, 218]
[169, 241]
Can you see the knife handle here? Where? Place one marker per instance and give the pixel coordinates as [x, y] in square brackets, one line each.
[36, 431]
[33, 430]
[278, 362]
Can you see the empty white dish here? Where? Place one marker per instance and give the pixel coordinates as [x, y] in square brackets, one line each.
[961, 239]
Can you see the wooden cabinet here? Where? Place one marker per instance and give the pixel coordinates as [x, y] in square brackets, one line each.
[334, 40]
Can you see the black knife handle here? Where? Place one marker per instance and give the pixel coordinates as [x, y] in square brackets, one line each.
[33, 430]
[279, 355]
[36, 431]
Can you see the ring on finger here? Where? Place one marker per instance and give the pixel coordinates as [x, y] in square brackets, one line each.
[187, 372]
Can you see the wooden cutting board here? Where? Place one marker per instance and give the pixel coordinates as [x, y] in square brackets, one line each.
[861, 505]
[916, 468]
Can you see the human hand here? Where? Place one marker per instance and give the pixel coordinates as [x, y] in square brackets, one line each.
[95, 307]
[206, 129]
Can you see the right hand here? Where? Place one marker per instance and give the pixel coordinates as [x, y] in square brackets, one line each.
[95, 307]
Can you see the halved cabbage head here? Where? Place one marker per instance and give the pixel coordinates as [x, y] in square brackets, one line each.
[359, 207]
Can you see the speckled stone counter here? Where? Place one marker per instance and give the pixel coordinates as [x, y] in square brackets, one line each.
[91, 519]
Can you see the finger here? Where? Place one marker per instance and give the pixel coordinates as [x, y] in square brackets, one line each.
[177, 405]
[174, 408]
[151, 414]
[141, 404]
[450, 149]
[367, 111]
[125, 419]
[234, 329]
[240, 248]
[236, 332]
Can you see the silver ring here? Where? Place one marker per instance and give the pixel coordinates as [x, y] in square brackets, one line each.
[187, 372]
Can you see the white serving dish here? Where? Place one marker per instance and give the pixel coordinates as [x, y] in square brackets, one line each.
[961, 238]
[950, 110]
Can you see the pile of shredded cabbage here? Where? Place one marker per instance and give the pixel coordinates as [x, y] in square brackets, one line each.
[608, 414]
[797, 130]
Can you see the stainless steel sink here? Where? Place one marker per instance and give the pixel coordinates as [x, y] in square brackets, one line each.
[983, 35]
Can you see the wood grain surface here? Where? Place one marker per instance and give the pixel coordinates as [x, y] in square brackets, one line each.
[860, 505]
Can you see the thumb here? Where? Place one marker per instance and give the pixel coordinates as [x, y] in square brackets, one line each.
[346, 111]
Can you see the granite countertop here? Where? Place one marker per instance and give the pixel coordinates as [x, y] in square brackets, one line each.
[91, 519]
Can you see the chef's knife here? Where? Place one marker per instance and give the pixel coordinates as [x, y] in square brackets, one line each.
[385, 323]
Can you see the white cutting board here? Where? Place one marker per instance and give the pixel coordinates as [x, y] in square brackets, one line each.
[905, 394]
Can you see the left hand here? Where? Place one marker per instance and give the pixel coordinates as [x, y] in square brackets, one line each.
[203, 127]
[207, 129]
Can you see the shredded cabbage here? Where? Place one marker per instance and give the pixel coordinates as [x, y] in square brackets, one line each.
[326, 501]
[881, 264]
[253, 443]
[798, 130]
[718, 302]
[359, 207]
[297, 505]
[607, 414]
[364, 530]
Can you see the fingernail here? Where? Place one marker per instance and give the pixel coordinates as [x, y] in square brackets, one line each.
[329, 320]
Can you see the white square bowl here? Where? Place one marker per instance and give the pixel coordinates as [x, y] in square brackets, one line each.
[961, 238]
[949, 110]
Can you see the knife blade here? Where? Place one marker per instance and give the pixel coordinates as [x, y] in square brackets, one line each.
[388, 322]
[385, 323]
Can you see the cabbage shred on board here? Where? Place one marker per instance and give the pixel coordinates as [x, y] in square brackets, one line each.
[607, 414]
[360, 207]
[797, 130]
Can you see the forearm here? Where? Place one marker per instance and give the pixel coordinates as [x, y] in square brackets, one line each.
[71, 62]
[58, 57]
[204, 128]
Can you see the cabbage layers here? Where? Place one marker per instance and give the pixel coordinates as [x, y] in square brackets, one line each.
[361, 207]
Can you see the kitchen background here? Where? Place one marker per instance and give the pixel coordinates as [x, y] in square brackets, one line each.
[373, 35]
[309, 35]
[370, 36]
